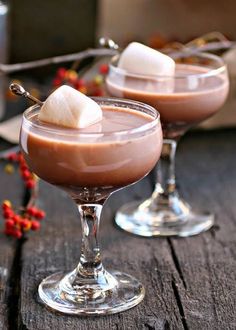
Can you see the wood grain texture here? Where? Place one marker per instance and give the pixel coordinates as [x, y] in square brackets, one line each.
[8, 246]
[207, 261]
[56, 247]
[190, 282]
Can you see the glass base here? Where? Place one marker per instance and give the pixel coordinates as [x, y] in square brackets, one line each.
[176, 220]
[57, 292]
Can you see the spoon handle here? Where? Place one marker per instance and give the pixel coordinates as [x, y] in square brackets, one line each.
[20, 91]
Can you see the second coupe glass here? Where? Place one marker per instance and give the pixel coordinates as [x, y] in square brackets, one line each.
[197, 91]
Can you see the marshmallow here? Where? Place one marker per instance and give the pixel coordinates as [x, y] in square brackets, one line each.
[69, 108]
[143, 60]
[140, 59]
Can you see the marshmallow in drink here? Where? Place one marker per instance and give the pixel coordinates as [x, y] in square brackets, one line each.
[142, 60]
[69, 108]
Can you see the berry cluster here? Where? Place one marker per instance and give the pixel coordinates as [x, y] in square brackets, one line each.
[28, 177]
[16, 224]
[18, 221]
[70, 77]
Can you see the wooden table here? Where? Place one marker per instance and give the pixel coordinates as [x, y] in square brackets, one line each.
[190, 283]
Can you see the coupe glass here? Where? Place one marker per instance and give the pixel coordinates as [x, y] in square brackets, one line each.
[90, 166]
[197, 91]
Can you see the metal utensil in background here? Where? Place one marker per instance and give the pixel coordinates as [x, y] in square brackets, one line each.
[10, 129]
[19, 90]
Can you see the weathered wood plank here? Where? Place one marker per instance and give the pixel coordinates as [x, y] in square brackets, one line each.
[189, 282]
[11, 187]
[56, 247]
[206, 169]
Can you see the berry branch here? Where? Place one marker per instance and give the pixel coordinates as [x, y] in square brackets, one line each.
[93, 87]
[18, 221]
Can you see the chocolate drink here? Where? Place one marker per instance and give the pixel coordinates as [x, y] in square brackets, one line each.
[194, 97]
[77, 160]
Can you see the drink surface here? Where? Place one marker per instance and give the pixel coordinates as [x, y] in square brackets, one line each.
[114, 120]
[101, 160]
[195, 95]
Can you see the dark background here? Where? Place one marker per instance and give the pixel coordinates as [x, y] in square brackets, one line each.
[41, 29]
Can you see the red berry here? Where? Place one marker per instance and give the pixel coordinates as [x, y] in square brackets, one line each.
[83, 90]
[6, 208]
[56, 82]
[23, 167]
[98, 92]
[17, 233]
[6, 205]
[30, 184]
[16, 218]
[32, 210]
[25, 223]
[26, 174]
[35, 225]
[103, 68]
[13, 157]
[9, 224]
[61, 72]
[21, 158]
[8, 213]
[71, 76]
[40, 214]
[79, 83]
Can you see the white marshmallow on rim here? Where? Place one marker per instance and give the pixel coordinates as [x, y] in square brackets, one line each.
[69, 108]
[142, 60]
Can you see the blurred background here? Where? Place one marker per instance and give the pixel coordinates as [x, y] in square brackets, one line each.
[180, 20]
[40, 29]
[31, 30]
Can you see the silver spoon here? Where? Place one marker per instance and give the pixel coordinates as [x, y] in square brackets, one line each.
[108, 43]
[20, 91]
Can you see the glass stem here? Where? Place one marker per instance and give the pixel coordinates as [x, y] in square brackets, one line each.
[90, 258]
[165, 201]
[90, 271]
[165, 185]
